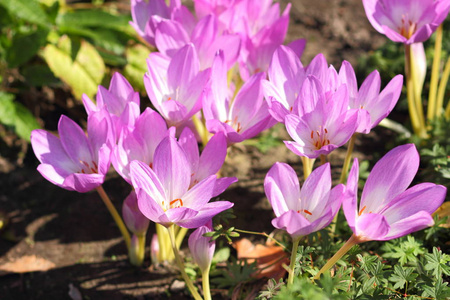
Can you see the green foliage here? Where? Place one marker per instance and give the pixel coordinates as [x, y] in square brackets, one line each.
[15, 115]
[236, 272]
[406, 250]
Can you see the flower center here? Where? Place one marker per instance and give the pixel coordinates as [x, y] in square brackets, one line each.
[408, 27]
[88, 168]
[319, 137]
[305, 211]
[172, 204]
[235, 124]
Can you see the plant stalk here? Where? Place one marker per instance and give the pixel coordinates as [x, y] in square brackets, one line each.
[432, 104]
[441, 90]
[205, 285]
[113, 211]
[180, 264]
[292, 263]
[348, 158]
[352, 241]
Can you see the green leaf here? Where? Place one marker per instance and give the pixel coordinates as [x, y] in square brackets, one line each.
[28, 10]
[402, 276]
[437, 262]
[221, 255]
[17, 116]
[39, 75]
[25, 46]
[92, 18]
[135, 69]
[82, 70]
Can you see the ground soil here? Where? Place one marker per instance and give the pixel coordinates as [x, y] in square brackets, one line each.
[74, 233]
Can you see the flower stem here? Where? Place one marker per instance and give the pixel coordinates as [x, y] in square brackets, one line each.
[201, 129]
[180, 264]
[432, 104]
[137, 249]
[348, 158]
[292, 263]
[180, 236]
[263, 234]
[307, 166]
[113, 211]
[165, 253]
[205, 285]
[414, 112]
[441, 91]
[352, 241]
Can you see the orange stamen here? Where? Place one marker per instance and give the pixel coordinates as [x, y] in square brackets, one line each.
[308, 212]
[361, 211]
[175, 201]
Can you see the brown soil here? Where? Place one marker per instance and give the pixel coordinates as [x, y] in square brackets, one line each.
[75, 233]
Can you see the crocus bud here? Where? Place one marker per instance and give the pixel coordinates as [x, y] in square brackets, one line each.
[202, 248]
[132, 216]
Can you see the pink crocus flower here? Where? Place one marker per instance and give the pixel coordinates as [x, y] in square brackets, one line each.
[306, 210]
[74, 161]
[175, 85]
[201, 247]
[324, 121]
[240, 118]
[120, 100]
[209, 161]
[136, 222]
[388, 208]
[372, 104]
[286, 75]
[139, 143]
[148, 14]
[163, 192]
[406, 21]
[206, 37]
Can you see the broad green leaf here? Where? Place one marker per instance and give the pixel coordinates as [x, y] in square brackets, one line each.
[221, 255]
[39, 75]
[25, 46]
[28, 10]
[82, 69]
[135, 69]
[17, 116]
[93, 18]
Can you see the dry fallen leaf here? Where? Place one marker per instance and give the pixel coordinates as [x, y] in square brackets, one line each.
[28, 263]
[269, 258]
[444, 211]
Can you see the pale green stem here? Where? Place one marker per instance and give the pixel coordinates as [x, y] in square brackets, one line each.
[348, 158]
[442, 88]
[165, 251]
[263, 234]
[113, 211]
[432, 107]
[201, 129]
[205, 285]
[418, 128]
[417, 90]
[137, 249]
[292, 263]
[352, 241]
[180, 264]
[307, 166]
[180, 236]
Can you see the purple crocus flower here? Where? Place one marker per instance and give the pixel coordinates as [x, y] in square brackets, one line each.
[206, 37]
[163, 192]
[201, 247]
[372, 104]
[209, 162]
[406, 21]
[136, 222]
[240, 118]
[388, 209]
[139, 143]
[73, 161]
[301, 212]
[148, 14]
[286, 75]
[324, 122]
[175, 85]
[120, 100]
